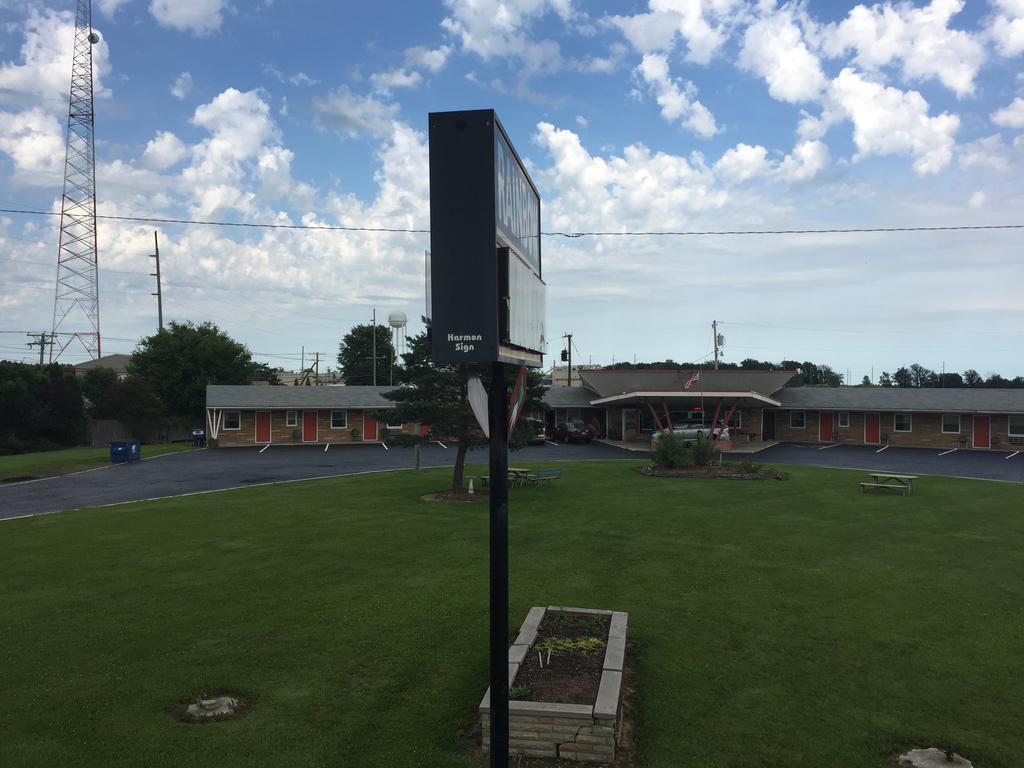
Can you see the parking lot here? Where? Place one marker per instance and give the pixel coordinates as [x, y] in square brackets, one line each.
[983, 465]
[209, 470]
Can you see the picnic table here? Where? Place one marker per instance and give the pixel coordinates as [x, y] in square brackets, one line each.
[517, 476]
[903, 484]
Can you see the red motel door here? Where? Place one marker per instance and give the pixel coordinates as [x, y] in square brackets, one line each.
[309, 427]
[825, 426]
[263, 426]
[982, 432]
[871, 431]
[369, 428]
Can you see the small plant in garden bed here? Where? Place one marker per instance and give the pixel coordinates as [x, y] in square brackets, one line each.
[565, 661]
[517, 692]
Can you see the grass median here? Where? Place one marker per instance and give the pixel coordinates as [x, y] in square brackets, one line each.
[27, 466]
[777, 623]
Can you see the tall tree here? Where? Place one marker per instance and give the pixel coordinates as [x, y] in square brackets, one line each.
[866, 381]
[40, 407]
[885, 380]
[921, 376]
[356, 353]
[178, 362]
[903, 378]
[972, 378]
[437, 395]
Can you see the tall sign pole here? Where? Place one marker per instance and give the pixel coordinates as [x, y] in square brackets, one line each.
[486, 306]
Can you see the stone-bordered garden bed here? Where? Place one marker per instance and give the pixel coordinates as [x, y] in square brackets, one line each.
[724, 471]
[583, 722]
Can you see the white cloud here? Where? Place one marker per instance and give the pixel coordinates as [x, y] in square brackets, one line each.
[807, 160]
[432, 59]
[989, 153]
[774, 49]
[34, 140]
[888, 121]
[385, 82]
[1007, 26]
[743, 162]
[581, 121]
[1011, 116]
[919, 38]
[164, 150]
[501, 28]
[199, 16]
[676, 98]
[110, 7]
[45, 72]
[639, 188]
[978, 199]
[703, 24]
[182, 86]
[353, 115]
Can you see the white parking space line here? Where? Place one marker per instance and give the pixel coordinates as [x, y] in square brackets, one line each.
[326, 447]
[949, 451]
[441, 444]
[264, 447]
[884, 447]
[385, 446]
[826, 447]
[1011, 455]
[551, 443]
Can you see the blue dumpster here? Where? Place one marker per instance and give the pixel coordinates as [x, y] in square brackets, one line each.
[125, 450]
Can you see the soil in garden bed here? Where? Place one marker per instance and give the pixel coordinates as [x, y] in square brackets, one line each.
[570, 676]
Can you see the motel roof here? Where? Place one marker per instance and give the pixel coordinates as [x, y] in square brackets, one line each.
[621, 381]
[950, 400]
[568, 397]
[245, 397]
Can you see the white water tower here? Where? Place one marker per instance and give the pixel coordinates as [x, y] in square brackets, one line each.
[397, 320]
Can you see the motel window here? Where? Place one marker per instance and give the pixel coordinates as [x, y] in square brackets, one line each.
[901, 422]
[291, 418]
[232, 420]
[397, 426]
[339, 419]
[797, 420]
[844, 419]
[1016, 426]
[951, 423]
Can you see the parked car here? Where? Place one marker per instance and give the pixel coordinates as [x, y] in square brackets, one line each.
[691, 430]
[538, 435]
[572, 432]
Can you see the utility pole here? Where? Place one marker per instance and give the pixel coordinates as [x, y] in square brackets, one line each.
[316, 368]
[374, 353]
[41, 340]
[159, 290]
[569, 356]
[714, 338]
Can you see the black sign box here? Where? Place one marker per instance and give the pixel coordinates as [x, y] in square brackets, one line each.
[484, 215]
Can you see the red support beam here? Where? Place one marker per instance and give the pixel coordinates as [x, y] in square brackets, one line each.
[668, 416]
[714, 421]
[657, 421]
[731, 411]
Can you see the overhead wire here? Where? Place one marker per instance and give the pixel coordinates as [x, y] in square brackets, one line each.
[569, 235]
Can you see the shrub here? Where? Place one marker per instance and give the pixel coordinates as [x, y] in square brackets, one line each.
[672, 452]
[704, 451]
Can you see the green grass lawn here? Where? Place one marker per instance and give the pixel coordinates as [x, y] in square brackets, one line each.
[792, 623]
[47, 463]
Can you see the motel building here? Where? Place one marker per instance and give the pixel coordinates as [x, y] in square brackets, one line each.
[247, 415]
[632, 405]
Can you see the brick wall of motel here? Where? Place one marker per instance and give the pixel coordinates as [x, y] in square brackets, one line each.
[282, 434]
[926, 430]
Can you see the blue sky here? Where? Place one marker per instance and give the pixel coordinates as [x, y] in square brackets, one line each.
[657, 115]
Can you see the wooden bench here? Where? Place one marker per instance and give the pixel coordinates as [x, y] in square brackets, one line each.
[900, 489]
[539, 476]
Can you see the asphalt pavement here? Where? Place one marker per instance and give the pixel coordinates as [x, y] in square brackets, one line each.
[982, 465]
[201, 471]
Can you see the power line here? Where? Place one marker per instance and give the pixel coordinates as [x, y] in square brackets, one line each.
[569, 235]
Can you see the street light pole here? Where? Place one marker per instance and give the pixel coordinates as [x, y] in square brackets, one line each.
[497, 418]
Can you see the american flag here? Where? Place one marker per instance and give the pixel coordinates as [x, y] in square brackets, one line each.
[693, 380]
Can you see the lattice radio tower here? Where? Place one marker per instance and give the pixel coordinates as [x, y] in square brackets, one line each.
[76, 308]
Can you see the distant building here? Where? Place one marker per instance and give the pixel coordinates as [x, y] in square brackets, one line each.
[117, 363]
